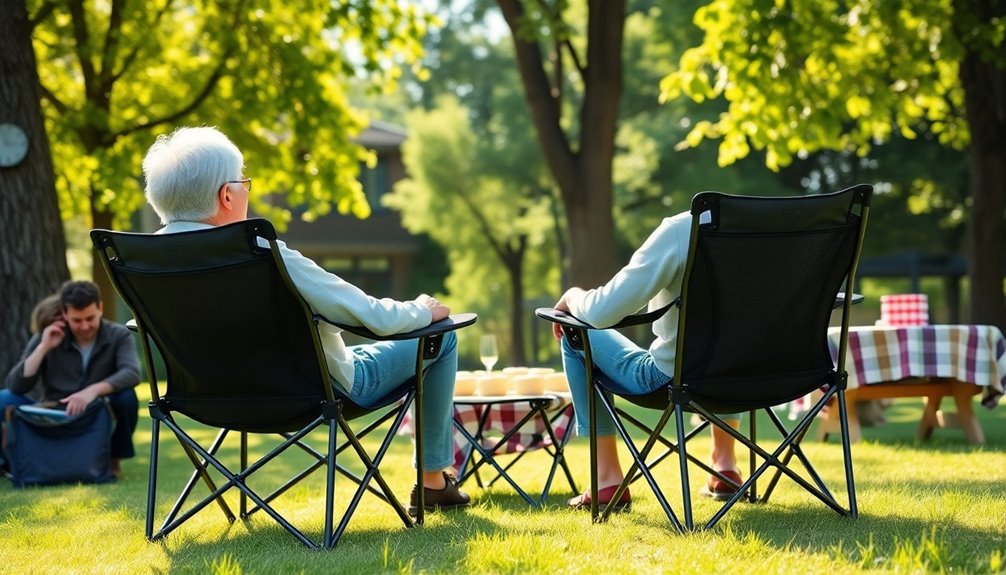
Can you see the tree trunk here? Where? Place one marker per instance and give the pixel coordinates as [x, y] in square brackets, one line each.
[985, 103]
[102, 219]
[583, 175]
[515, 270]
[33, 257]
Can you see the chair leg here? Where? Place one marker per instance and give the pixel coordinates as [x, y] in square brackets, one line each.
[372, 473]
[198, 473]
[672, 448]
[242, 499]
[686, 492]
[752, 495]
[155, 429]
[417, 399]
[639, 462]
[558, 455]
[770, 460]
[850, 483]
[592, 415]
[328, 541]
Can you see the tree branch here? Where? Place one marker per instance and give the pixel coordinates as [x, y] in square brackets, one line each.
[211, 83]
[80, 34]
[555, 21]
[545, 110]
[43, 12]
[207, 89]
[127, 62]
[111, 46]
[483, 225]
[56, 102]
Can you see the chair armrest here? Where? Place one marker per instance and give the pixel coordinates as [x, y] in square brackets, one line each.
[131, 326]
[450, 323]
[567, 320]
[840, 299]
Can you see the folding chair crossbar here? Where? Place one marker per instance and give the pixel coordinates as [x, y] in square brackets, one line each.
[556, 451]
[372, 473]
[672, 448]
[475, 441]
[235, 480]
[320, 458]
[198, 473]
[772, 460]
[539, 408]
[638, 463]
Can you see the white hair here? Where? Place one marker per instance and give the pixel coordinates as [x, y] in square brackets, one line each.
[184, 170]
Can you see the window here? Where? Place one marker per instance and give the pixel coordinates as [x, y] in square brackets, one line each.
[375, 182]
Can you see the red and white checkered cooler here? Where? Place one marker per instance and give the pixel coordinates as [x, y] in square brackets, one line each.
[904, 309]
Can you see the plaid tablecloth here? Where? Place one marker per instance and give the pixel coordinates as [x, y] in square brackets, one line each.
[968, 353]
[503, 413]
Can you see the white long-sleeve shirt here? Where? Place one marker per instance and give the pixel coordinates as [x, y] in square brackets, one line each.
[652, 278]
[338, 300]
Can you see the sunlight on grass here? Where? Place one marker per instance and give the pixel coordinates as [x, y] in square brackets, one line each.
[935, 506]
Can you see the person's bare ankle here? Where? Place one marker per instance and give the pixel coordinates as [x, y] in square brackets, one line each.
[116, 467]
[435, 480]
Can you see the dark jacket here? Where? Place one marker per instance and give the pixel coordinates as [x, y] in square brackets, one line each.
[62, 373]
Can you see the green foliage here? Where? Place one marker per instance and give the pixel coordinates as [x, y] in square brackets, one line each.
[653, 179]
[271, 75]
[809, 75]
[478, 216]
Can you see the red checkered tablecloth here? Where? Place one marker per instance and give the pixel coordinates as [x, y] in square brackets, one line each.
[504, 412]
[968, 353]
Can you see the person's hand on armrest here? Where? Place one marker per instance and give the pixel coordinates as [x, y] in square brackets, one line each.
[563, 305]
[438, 310]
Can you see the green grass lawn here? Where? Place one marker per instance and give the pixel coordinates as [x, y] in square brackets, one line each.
[936, 506]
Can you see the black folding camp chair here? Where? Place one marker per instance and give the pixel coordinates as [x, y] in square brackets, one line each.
[241, 353]
[760, 282]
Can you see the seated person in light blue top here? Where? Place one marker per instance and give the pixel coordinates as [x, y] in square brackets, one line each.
[195, 180]
[652, 278]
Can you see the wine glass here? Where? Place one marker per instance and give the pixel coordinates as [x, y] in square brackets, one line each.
[488, 351]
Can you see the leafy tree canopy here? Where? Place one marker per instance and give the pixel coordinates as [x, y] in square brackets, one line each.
[271, 75]
[805, 75]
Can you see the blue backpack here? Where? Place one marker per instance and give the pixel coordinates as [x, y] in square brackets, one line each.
[47, 447]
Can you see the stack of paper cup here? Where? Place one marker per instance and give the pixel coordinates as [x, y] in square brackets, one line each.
[528, 384]
[556, 382]
[515, 371]
[493, 384]
[464, 383]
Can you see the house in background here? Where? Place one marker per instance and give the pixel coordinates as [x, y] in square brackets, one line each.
[375, 254]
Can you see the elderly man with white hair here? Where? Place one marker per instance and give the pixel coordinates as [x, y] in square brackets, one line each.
[195, 179]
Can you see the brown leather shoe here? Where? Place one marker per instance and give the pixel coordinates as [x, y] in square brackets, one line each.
[721, 490]
[604, 495]
[450, 497]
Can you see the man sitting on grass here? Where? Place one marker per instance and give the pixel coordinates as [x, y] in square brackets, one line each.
[75, 360]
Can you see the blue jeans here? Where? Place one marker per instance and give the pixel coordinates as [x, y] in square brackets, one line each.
[382, 366]
[629, 367]
[124, 406]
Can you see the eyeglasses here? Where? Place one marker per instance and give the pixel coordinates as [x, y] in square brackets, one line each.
[245, 181]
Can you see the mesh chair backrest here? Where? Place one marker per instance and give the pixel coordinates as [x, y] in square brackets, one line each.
[757, 301]
[239, 345]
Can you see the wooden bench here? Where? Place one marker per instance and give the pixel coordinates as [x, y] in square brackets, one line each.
[932, 389]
